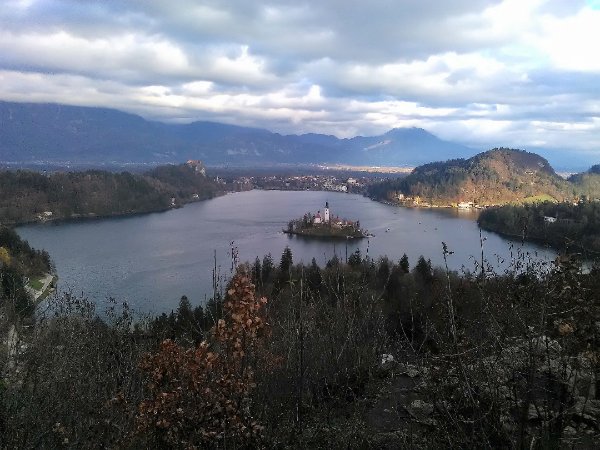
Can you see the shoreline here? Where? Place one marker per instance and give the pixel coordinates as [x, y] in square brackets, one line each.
[324, 236]
[539, 241]
[92, 216]
[48, 281]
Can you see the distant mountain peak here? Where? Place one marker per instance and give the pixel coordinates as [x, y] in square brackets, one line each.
[72, 134]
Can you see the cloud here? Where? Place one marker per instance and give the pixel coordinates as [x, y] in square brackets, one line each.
[482, 72]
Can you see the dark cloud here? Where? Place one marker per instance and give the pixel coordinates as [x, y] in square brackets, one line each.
[505, 72]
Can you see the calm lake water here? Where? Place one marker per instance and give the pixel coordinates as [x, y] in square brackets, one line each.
[150, 261]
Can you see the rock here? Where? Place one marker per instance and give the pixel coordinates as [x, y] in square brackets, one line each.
[421, 411]
[387, 365]
[386, 358]
[412, 371]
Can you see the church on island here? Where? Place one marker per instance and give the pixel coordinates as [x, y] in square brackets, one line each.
[325, 225]
[317, 220]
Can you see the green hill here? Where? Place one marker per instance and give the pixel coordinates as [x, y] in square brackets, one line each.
[587, 183]
[29, 196]
[497, 176]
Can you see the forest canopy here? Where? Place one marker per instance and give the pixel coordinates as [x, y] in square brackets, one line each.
[29, 196]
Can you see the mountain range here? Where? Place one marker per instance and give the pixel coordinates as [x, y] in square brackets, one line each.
[31, 132]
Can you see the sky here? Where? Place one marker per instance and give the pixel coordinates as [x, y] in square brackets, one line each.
[485, 73]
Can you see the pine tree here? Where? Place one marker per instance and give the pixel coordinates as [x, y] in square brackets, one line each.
[404, 265]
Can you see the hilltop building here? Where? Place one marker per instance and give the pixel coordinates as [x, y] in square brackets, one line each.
[197, 166]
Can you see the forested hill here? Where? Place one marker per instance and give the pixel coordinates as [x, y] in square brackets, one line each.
[587, 183]
[564, 226]
[497, 176]
[17, 261]
[29, 196]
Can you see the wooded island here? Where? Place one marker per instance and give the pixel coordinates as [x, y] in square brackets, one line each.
[325, 226]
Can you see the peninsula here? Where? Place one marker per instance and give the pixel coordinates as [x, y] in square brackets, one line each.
[325, 226]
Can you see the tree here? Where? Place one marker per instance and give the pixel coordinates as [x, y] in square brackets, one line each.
[256, 272]
[355, 259]
[424, 269]
[404, 265]
[314, 276]
[186, 320]
[202, 395]
[333, 262]
[267, 267]
[285, 266]
[383, 270]
[4, 257]
[13, 292]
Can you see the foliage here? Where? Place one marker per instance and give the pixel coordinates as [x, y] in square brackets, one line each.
[183, 181]
[27, 260]
[18, 260]
[562, 225]
[504, 360]
[15, 301]
[201, 396]
[4, 257]
[187, 325]
[27, 195]
[497, 176]
[75, 382]
[286, 262]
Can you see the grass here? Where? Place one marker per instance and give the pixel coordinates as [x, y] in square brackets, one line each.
[36, 284]
[539, 199]
[47, 292]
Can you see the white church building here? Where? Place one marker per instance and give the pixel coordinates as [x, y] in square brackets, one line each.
[326, 217]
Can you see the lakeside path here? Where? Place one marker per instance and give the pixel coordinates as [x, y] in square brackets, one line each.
[46, 284]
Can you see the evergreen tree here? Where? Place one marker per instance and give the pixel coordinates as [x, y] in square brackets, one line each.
[333, 262]
[13, 292]
[424, 269]
[267, 268]
[185, 316]
[355, 259]
[285, 266]
[404, 265]
[383, 270]
[314, 276]
[257, 272]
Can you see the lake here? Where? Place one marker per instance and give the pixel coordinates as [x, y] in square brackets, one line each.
[151, 260]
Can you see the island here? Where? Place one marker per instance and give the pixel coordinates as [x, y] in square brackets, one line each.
[325, 226]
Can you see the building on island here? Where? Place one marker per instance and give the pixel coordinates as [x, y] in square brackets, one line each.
[325, 225]
[324, 219]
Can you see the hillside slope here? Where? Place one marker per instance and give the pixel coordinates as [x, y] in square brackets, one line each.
[587, 183]
[497, 176]
[30, 196]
